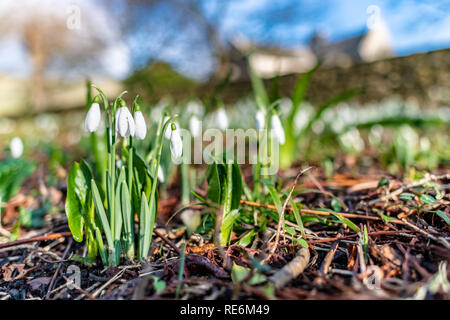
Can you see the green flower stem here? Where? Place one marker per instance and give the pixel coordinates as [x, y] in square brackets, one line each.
[154, 184]
[185, 183]
[111, 135]
[229, 190]
[159, 133]
[226, 203]
[130, 165]
[257, 176]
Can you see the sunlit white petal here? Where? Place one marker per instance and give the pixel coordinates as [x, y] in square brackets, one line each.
[168, 131]
[259, 119]
[141, 127]
[16, 146]
[92, 118]
[160, 174]
[176, 144]
[195, 126]
[278, 129]
[221, 119]
[125, 122]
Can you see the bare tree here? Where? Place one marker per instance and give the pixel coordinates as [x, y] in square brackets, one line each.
[43, 28]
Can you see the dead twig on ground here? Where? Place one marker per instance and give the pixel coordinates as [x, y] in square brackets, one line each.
[52, 282]
[373, 234]
[281, 218]
[329, 258]
[169, 242]
[292, 270]
[428, 235]
[318, 212]
[428, 178]
[87, 294]
[35, 239]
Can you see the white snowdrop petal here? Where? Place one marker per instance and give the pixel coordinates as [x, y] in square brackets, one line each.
[92, 118]
[160, 174]
[117, 118]
[195, 126]
[176, 144]
[131, 124]
[125, 122]
[259, 120]
[16, 146]
[278, 129]
[141, 127]
[222, 119]
[168, 131]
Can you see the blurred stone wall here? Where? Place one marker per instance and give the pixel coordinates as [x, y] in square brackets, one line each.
[424, 77]
[16, 98]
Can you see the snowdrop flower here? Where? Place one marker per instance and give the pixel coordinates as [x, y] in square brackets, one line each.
[168, 131]
[141, 127]
[194, 107]
[352, 140]
[16, 146]
[160, 174]
[195, 126]
[125, 122]
[176, 144]
[93, 117]
[278, 129]
[221, 119]
[260, 119]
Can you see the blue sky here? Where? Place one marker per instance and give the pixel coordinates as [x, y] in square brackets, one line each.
[415, 26]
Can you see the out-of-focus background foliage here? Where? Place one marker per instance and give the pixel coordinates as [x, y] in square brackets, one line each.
[394, 52]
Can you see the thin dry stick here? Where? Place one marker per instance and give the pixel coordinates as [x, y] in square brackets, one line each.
[107, 283]
[428, 177]
[281, 218]
[169, 242]
[318, 212]
[292, 270]
[87, 294]
[362, 261]
[35, 239]
[373, 234]
[437, 239]
[329, 258]
[52, 282]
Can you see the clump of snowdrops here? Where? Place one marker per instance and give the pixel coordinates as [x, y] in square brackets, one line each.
[122, 209]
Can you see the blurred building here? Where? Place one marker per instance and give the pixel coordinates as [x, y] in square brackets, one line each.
[268, 61]
[372, 44]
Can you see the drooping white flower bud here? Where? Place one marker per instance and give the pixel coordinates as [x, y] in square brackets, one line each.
[16, 146]
[168, 131]
[176, 144]
[278, 129]
[125, 122]
[221, 119]
[195, 126]
[93, 118]
[141, 127]
[160, 174]
[260, 119]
